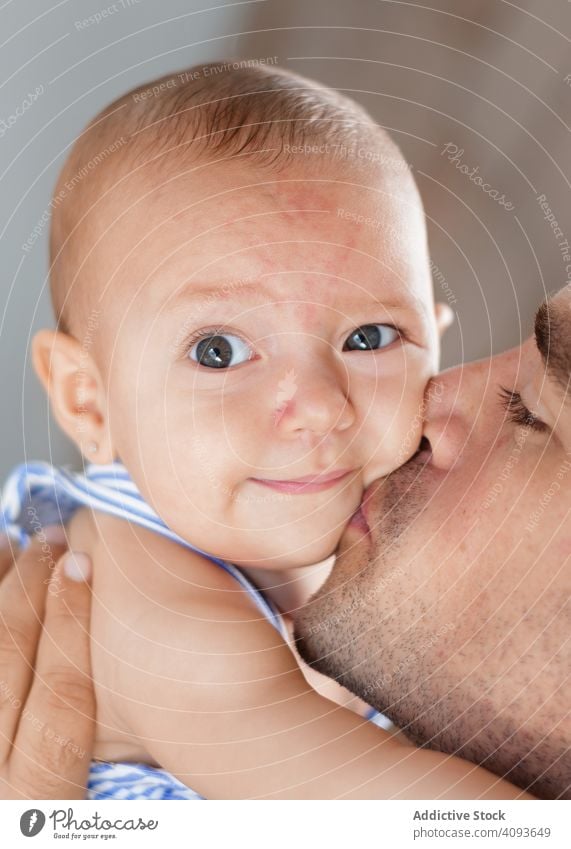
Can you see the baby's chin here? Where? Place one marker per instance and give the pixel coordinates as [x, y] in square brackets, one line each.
[285, 552]
[275, 541]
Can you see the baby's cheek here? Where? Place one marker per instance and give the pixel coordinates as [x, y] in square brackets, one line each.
[394, 427]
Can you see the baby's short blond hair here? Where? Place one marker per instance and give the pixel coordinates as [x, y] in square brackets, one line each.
[207, 112]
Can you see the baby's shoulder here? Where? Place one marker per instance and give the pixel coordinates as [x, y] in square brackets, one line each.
[174, 619]
[150, 559]
[161, 588]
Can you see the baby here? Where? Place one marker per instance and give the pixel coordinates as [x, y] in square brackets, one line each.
[246, 328]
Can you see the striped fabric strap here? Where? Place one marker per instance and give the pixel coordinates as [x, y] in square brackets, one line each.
[36, 495]
[135, 781]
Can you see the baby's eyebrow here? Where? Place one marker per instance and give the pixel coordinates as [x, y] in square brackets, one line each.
[553, 340]
[229, 292]
[257, 291]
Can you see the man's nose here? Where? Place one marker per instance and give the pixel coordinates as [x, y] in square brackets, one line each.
[457, 402]
[312, 398]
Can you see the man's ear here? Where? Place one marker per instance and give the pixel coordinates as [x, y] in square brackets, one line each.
[444, 318]
[75, 389]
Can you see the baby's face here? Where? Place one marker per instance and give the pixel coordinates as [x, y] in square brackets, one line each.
[265, 356]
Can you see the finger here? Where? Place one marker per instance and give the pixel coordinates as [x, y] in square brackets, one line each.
[54, 741]
[8, 553]
[10, 550]
[22, 600]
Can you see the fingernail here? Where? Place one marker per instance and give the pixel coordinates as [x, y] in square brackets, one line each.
[55, 534]
[77, 566]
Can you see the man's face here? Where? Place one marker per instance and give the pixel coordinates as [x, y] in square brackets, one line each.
[231, 369]
[450, 612]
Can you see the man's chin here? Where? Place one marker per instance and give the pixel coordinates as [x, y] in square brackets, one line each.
[392, 506]
[309, 641]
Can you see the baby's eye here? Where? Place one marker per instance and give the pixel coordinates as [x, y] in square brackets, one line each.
[370, 337]
[219, 350]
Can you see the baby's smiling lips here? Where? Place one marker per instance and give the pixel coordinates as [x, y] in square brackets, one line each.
[306, 484]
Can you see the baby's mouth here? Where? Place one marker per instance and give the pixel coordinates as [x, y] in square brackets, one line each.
[359, 521]
[424, 453]
[306, 484]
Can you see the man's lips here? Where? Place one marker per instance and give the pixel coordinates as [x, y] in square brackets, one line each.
[307, 484]
[361, 519]
[358, 521]
[367, 495]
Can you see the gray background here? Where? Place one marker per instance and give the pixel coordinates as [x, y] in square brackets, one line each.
[485, 75]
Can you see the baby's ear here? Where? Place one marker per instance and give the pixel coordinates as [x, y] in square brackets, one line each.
[75, 389]
[444, 317]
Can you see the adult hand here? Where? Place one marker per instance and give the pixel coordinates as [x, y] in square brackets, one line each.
[47, 704]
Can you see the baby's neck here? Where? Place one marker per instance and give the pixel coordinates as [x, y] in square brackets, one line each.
[290, 589]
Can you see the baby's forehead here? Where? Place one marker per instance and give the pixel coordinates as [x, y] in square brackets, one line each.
[216, 226]
[209, 187]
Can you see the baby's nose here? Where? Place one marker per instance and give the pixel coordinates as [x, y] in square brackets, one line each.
[313, 402]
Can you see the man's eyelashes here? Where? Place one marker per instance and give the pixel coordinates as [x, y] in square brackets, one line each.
[518, 413]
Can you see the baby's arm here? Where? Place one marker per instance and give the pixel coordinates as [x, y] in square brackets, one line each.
[217, 698]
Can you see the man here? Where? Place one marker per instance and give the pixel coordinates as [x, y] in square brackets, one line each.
[447, 608]
[451, 611]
